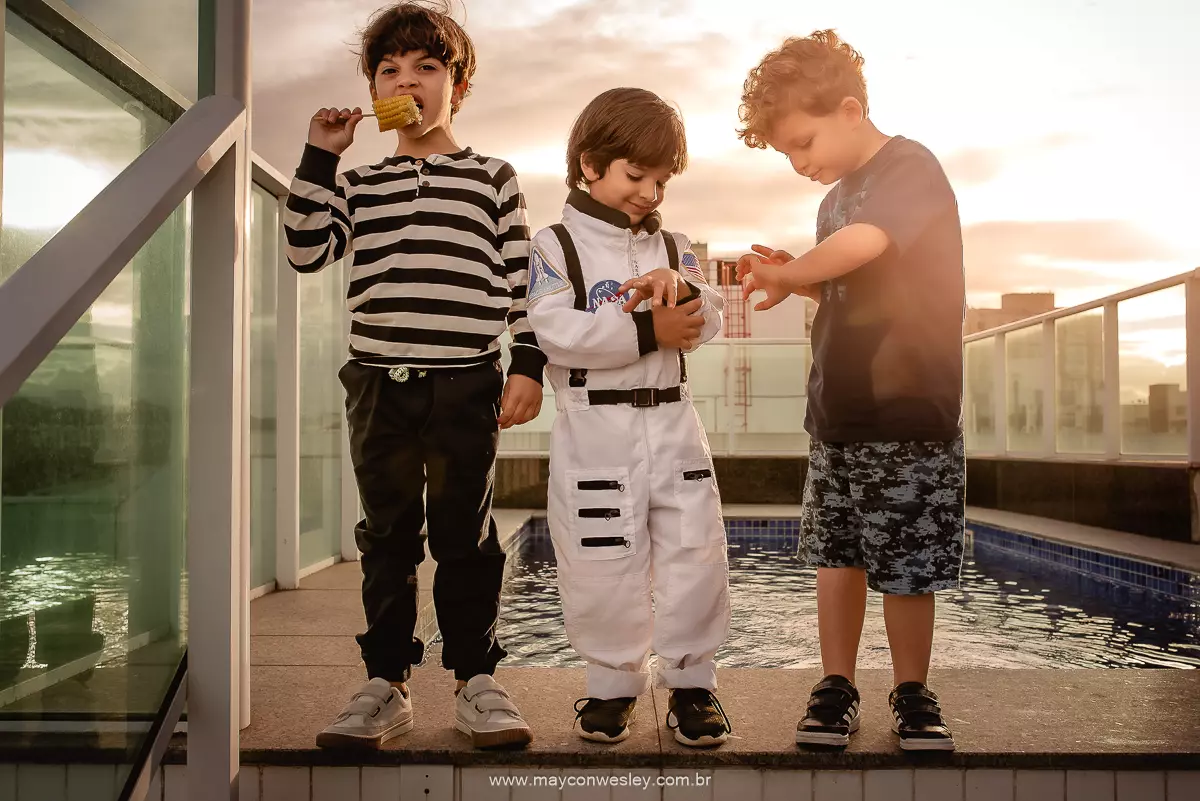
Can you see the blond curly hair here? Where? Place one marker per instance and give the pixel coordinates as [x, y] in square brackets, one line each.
[814, 74]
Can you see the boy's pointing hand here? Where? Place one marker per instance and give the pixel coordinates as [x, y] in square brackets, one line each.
[660, 287]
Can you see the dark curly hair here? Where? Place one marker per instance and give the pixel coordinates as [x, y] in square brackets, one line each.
[418, 25]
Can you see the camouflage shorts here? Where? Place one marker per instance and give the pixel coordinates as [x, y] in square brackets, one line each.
[896, 509]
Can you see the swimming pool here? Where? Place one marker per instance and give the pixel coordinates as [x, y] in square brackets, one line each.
[1023, 603]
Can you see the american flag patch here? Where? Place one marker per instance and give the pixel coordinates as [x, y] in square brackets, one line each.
[692, 265]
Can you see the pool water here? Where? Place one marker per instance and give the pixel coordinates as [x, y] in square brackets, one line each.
[1009, 612]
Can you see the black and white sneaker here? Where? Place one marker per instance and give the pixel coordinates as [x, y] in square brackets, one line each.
[697, 718]
[605, 720]
[832, 714]
[917, 718]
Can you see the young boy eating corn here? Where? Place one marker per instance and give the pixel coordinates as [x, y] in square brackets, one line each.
[439, 250]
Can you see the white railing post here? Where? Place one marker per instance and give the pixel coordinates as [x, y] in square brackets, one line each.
[2, 276]
[218, 520]
[350, 501]
[243, 530]
[1000, 395]
[1112, 382]
[287, 437]
[1049, 389]
[1192, 329]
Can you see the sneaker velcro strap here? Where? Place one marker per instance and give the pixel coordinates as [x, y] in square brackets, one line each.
[830, 696]
[496, 703]
[837, 683]
[916, 702]
[363, 705]
[917, 710]
[833, 705]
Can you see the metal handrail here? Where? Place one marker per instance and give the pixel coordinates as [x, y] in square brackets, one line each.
[150, 752]
[43, 299]
[1091, 305]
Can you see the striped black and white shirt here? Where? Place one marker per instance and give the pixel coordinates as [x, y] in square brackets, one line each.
[439, 252]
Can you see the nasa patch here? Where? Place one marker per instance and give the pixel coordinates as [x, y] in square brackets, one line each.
[543, 279]
[692, 265]
[604, 292]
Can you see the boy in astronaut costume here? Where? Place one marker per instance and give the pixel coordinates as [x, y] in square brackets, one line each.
[615, 302]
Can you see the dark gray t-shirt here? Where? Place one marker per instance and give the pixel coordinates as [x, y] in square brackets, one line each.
[887, 338]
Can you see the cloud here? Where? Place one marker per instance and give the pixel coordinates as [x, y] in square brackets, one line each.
[531, 83]
[1012, 256]
[979, 165]
[973, 166]
[1074, 240]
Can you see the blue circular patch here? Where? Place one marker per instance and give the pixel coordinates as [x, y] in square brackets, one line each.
[604, 292]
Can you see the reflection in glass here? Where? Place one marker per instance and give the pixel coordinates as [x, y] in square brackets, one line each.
[1079, 382]
[979, 397]
[93, 504]
[264, 270]
[1153, 355]
[162, 34]
[322, 410]
[67, 134]
[1024, 351]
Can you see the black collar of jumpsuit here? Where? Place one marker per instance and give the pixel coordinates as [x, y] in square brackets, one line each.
[584, 203]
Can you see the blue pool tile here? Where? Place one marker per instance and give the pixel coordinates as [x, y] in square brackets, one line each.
[1119, 573]
[1130, 573]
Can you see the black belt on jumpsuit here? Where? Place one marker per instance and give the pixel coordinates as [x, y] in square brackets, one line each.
[640, 398]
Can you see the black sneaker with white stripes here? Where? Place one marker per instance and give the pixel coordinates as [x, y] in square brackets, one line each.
[832, 715]
[917, 718]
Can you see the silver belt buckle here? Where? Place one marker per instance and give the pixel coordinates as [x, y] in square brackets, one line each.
[402, 374]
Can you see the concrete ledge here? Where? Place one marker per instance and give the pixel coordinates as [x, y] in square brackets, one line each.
[1184, 555]
[1011, 719]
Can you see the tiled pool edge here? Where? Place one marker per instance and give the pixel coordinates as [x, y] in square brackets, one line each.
[1124, 570]
[1127, 571]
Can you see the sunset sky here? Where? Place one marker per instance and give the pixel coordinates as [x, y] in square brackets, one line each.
[1067, 127]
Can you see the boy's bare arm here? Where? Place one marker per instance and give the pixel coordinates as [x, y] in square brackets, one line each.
[843, 252]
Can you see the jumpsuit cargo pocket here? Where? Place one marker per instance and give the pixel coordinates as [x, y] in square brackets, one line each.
[699, 501]
[601, 513]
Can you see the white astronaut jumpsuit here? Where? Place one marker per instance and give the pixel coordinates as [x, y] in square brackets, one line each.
[633, 499]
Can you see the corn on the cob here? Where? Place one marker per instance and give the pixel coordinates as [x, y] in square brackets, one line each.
[393, 113]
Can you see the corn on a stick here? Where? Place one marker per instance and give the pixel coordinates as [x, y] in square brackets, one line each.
[393, 113]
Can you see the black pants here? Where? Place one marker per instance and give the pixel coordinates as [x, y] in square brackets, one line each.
[434, 435]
